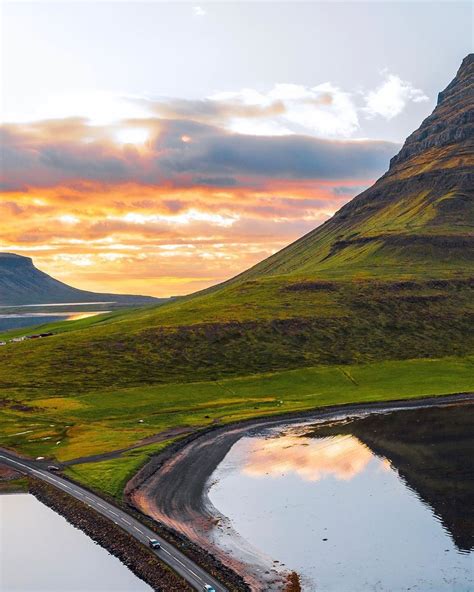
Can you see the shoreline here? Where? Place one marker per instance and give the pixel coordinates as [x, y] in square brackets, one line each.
[138, 558]
[181, 474]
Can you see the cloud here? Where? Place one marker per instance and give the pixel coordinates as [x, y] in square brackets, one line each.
[159, 239]
[169, 202]
[391, 97]
[199, 11]
[323, 110]
[209, 110]
[179, 153]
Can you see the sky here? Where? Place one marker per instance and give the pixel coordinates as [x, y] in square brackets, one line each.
[159, 148]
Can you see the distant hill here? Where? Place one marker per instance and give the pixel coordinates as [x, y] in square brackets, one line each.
[389, 277]
[22, 283]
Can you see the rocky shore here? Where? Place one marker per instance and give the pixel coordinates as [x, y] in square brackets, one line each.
[12, 481]
[137, 557]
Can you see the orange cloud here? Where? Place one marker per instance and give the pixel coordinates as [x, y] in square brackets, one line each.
[167, 216]
[156, 240]
[311, 459]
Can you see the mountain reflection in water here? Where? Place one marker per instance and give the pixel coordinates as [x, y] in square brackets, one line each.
[432, 450]
[381, 502]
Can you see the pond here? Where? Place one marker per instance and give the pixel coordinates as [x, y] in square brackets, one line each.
[382, 502]
[41, 552]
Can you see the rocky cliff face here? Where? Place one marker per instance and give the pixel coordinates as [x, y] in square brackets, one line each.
[22, 283]
[433, 172]
[452, 122]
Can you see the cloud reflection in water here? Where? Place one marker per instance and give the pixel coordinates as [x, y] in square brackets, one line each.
[342, 457]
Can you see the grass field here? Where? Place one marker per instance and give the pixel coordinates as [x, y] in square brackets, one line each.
[111, 476]
[201, 403]
[375, 304]
[73, 425]
[250, 328]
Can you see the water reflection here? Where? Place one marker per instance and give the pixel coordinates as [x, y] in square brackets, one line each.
[310, 459]
[41, 552]
[30, 315]
[433, 452]
[382, 502]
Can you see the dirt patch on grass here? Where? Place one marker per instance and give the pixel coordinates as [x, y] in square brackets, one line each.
[312, 286]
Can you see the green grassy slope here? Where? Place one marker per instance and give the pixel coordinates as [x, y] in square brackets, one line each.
[389, 277]
[75, 425]
[245, 330]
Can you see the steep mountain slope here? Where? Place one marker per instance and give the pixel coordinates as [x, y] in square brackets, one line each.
[22, 283]
[390, 276]
[420, 212]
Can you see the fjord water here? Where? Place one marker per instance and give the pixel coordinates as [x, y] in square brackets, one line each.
[41, 552]
[30, 315]
[383, 502]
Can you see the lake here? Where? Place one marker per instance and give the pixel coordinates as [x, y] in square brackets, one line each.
[382, 502]
[41, 552]
[17, 317]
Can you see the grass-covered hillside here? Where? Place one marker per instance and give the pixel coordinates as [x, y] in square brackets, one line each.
[389, 278]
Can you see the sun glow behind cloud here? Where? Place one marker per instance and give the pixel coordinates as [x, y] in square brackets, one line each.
[132, 136]
[169, 196]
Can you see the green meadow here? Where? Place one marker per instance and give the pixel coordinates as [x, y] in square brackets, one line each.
[373, 305]
[77, 425]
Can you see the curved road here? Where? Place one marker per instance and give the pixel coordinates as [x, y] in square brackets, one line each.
[181, 564]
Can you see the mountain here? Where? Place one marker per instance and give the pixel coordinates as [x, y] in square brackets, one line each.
[388, 277]
[420, 212]
[22, 283]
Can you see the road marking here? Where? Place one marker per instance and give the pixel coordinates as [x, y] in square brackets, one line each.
[76, 492]
[185, 566]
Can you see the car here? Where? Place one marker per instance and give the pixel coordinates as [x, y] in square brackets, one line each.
[208, 588]
[53, 468]
[154, 544]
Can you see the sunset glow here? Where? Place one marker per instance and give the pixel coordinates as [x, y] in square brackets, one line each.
[160, 165]
[342, 457]
[162, 212]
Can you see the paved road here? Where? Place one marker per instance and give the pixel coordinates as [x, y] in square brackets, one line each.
[181, 564]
